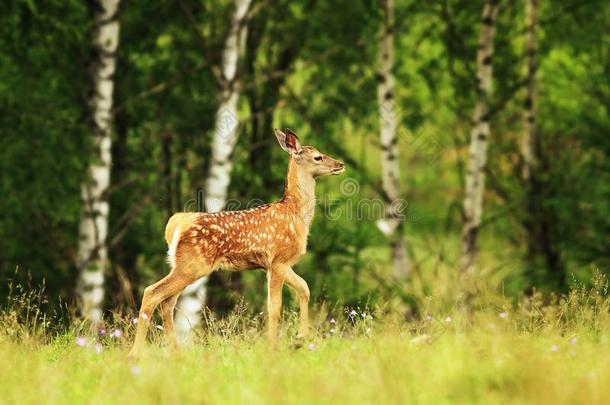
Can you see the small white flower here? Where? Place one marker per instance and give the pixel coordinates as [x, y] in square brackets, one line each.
[353, 312]
[311, 346]
[448, 319]
[503, 315]
[99, 348]
[332, 320]
[81, 341]
[160, 327]
[143, 316]
[364, 314]
[368, 331]
[427, 317]
[332, 331]
[117, 333]
[135, 370]
[554, 348]
[573, 340]
[134, 320]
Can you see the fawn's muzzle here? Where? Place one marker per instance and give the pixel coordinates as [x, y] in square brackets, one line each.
[340, 168]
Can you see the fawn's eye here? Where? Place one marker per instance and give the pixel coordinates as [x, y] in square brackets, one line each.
[317, 158]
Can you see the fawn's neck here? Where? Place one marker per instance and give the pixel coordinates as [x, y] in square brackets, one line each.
[300, 192]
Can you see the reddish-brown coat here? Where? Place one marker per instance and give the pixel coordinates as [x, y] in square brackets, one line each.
[246, 239]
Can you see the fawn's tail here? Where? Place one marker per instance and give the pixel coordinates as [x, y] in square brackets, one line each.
[182, 220]
[170, 227]
[173, 229]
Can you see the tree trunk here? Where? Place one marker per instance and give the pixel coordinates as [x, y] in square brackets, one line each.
[92, 251]
[122, 282]
[225, 136]
[528, 146]
[166, 150]
[539, 221]
[529, 150]
[479, 137]
[392, 225]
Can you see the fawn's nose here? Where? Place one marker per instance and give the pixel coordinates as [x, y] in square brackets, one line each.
[340, 166]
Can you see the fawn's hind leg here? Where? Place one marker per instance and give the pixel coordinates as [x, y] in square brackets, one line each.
[153, 296]
[177, 280]
[167, 313]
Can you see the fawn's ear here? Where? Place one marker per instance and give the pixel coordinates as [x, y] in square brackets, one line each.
[288, 141]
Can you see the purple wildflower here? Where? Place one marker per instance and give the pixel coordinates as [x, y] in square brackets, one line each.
[81, 341]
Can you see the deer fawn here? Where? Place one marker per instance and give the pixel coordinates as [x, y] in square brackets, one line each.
[272, 237]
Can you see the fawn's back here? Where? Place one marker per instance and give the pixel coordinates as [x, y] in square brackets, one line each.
[241, 240]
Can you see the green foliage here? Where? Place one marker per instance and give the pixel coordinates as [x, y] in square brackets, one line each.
[43, 151]
[310, 66]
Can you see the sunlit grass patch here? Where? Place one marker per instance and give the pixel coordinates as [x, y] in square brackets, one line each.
[538, 350]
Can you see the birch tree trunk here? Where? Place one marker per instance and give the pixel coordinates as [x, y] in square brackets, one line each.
[219, 175]
[92, 252]
[479, 137]
[392, 225]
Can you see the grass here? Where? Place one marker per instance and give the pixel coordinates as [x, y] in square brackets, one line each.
[534, 351]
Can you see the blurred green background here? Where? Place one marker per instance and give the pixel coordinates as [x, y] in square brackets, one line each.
[310, 66]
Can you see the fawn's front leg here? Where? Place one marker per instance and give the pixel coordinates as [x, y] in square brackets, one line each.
[275, 282]
[300, 286]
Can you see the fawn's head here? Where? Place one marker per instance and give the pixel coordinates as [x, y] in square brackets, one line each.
[308, 158]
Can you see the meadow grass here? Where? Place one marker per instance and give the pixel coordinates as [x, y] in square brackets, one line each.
[533, 351]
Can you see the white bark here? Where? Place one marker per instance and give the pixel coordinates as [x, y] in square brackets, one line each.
[92, 253]
[192, 300]
[479, 136]
[188, 310]
[388, 121]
